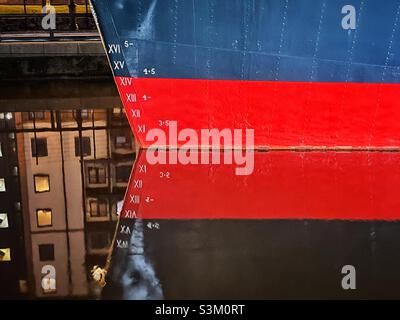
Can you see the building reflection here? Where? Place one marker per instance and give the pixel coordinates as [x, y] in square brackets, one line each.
[62, 175]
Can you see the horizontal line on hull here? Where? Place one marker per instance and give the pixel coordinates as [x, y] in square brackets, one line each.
[267, 81]
[278, 148]
[293, 219]
[277, 55]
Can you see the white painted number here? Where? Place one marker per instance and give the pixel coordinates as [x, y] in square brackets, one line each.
[119, 65]
[163, 123]
[149, 71]
[165, 175]
[114, 48]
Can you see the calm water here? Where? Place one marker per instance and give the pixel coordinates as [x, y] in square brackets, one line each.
[286, 231]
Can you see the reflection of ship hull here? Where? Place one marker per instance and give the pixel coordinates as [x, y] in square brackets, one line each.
[264, 259]
[283, 185]
[286, 69]
[285, 231]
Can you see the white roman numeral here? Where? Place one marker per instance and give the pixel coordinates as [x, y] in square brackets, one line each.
[125, 230]
[122, 244]
[130, 97]
[129, 214]
[138, 184]
[125, 81]
[135, 113]
[119, 65]
[114, 48]
[134, 198]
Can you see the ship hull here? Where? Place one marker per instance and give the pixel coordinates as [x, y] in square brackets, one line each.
[292, 71]
[284, 232]
[282, 114]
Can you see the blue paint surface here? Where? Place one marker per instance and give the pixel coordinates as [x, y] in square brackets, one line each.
[283, 40]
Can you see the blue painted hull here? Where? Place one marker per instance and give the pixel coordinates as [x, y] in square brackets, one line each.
[301, 73]
[284, 40]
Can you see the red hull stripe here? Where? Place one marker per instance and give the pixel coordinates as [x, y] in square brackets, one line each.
[284, 185]
[282, 114]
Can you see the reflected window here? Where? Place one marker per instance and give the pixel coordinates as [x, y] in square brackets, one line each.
[44, 217]
[39, 147]
[99, 240]
[42, 183]
[84, 114]
[123, 141]
[13, 146]
[1, 150]
[122, 173]
[85, 146]
[98, 208]
[97, 175]
[2, 185]
[118, 112]
[46, 252]
[38, 115]
[3, 221]
[23, 286]
[17, 206]
[5, 254]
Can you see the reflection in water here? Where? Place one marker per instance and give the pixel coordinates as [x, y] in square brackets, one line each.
[187, 231]
[134, 274]
[285, 231]
[284, 185]
[64, 172]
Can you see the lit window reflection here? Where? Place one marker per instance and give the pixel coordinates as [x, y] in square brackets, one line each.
[5, 255]
[44, 217]
[42, 183]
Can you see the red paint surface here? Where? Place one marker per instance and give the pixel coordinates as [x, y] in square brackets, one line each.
[283, 114]
[284, 185]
